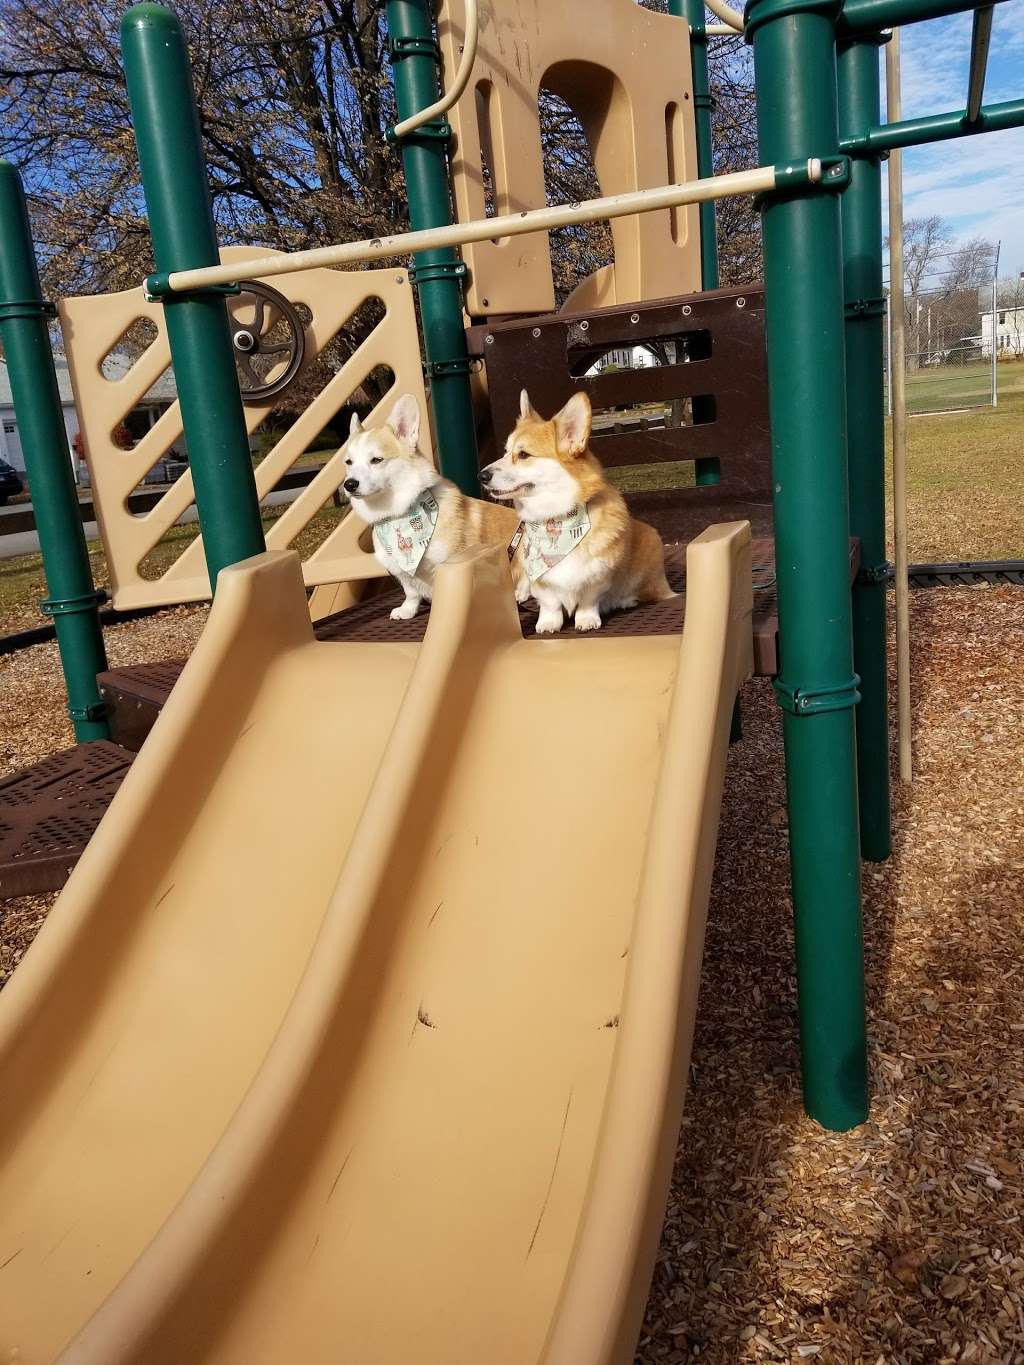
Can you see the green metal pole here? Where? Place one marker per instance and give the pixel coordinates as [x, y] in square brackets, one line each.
[915, 132]
[73, 601]
[706, 472]
[794, 62]
[868, 17]
[437, 273]
[859, 105]
[177, 198]
[693, 12]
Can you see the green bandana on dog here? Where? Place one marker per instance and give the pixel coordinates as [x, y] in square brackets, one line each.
[401, 542]
[546, 543]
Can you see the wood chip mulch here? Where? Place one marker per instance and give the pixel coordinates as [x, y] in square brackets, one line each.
[902, 1241]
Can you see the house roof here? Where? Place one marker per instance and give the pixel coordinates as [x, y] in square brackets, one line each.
[114, 367]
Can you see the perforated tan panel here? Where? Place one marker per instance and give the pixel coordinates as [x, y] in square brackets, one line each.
[626, 73]
[93, 325]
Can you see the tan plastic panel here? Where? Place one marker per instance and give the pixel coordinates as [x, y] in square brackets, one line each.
[92, 325]
[361, 1030]
[626, 73]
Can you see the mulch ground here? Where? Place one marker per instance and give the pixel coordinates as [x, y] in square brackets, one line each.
[902, 1241]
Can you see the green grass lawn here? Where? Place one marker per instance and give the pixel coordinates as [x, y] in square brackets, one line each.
[965, 500]
[965, 483]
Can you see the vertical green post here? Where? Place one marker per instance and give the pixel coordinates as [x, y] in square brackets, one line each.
[795, 68]
[859, 109]
[415, 59]
[73, 601]
[174, 181]
[693, 12]
[707, 471]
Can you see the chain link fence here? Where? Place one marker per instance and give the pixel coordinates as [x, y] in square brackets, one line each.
[951, 362]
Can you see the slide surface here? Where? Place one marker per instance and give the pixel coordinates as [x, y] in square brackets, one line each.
[361, 1030]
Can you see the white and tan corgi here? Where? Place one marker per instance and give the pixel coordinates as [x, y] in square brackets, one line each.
[419, 518]
[582, 552]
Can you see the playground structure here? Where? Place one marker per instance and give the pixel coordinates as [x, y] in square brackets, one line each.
[367, 903]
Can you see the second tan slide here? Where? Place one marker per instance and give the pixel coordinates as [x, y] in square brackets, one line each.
[360, 1032]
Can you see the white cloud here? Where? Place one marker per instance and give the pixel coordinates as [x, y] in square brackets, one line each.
[976, 183]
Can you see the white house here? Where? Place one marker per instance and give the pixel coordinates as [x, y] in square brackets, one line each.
[1008, 330]
[10, 440]
[622, 358]
[138, 421]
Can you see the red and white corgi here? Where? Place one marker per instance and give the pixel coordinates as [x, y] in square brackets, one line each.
[582, 552]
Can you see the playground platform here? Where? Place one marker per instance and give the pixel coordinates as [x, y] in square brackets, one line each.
[49, 812]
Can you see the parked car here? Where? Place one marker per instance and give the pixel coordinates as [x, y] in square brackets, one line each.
[10, 482]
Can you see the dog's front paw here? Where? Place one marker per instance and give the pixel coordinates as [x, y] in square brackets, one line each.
[548, 623]
[406, 611]
[588, 618]
[523, 592]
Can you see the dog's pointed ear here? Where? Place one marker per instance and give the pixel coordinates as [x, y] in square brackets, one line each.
[526, 408]
[572, 425]
[355, 426]
[404, 419]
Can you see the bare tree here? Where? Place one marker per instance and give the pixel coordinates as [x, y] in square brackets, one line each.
[295, 100]
[941, 283]
[925, 242]
[970, 265]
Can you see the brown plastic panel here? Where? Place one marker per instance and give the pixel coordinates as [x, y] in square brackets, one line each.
[542, 353]
[356, 1032]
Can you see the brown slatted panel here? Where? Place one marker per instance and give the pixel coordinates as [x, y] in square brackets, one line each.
[541, 355]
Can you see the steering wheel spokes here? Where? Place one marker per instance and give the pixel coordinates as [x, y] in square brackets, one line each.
[268, 339]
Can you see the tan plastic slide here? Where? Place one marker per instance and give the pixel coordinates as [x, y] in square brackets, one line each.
[360, 1032]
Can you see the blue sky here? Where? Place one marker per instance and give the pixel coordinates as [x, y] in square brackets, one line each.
[976, 183]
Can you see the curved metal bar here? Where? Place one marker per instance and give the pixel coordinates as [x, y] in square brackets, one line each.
[458, 85]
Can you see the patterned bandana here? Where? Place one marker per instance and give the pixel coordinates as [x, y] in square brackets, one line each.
[401, 542]
[546, 543]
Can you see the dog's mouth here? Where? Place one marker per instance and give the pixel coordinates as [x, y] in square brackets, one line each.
[502, 493]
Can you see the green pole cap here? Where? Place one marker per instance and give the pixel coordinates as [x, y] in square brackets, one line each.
[149, 16]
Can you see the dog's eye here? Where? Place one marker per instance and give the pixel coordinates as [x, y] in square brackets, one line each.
[349, 463]
[377, 459]
[524, 455]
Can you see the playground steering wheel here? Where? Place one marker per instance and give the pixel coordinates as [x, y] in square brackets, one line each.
[270, 345]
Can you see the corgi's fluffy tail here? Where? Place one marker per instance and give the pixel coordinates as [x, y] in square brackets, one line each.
[658, 590]
[653, 586]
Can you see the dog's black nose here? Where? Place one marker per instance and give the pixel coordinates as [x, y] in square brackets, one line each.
[351, 485]
[486, 475]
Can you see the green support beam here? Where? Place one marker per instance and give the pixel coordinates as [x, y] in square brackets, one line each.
[72, 600]
[177, 195]
[795, 68]
[703, 105]
[706, 472]
[867, 17]
[916, 132]
[437, 273]
[859, 105]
